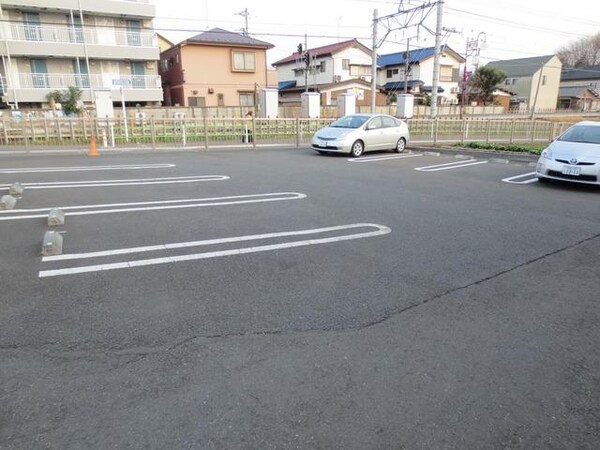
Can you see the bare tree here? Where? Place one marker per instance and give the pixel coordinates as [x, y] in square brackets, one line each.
[582, 52]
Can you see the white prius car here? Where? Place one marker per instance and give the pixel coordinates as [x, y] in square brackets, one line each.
[573, 156]
[359, 133]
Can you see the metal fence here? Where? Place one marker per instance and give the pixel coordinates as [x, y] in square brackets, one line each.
[212, 132]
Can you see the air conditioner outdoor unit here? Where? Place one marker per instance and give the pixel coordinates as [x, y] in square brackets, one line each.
[454, 90]
[337, 78]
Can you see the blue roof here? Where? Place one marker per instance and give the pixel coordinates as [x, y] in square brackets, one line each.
[399, 85]
[414, 56]
[287, 84]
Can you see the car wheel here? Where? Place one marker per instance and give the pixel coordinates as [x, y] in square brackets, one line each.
[400, 145]
[358, 149]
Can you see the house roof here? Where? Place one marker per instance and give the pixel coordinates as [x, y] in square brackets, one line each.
[286, 84]
[219, 36]
[323, 51]
[399, 85]
[326, 86]
[576, 92]
[580, 73]
[414, 56]
[521, 67]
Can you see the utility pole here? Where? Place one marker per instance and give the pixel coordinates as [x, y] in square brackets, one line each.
[306, 62]
[406, 66]
[436, 59]
[374, 64]
[245, 15]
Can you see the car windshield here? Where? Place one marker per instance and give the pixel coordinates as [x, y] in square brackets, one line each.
[582, 133]
[350, 122]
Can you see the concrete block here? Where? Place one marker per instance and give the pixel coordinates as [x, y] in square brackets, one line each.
[463, 156]
[56, 217]
[16, 190]
[432, 153]
[499, 161]
[7, 202]
[53, 243]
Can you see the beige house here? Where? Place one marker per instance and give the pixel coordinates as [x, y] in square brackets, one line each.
[216, 68]
[534, 81]
[106, 45]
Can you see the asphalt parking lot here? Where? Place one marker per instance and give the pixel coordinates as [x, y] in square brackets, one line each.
[277, 298]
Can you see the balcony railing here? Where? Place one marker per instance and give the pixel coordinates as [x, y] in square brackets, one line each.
[76, 34]
[99, 81]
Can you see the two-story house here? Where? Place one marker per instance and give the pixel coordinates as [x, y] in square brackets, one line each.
[419, 79]
[580, 88]
[100, 45]
[533, 81]
[215, 68]
[332, 69]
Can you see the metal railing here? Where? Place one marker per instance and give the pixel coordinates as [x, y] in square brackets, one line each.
[214, 132]
[106, 81]
[75, 35]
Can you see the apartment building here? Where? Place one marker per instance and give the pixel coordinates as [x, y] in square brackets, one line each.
[97, 45]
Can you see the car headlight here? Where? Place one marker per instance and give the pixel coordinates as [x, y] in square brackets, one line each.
[547, 154]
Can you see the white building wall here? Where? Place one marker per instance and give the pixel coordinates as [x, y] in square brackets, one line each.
[333, 68]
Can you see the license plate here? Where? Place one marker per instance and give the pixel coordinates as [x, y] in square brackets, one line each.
[570, 170]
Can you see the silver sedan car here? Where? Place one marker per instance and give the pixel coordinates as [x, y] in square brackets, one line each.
[573, 156]
[359, 133]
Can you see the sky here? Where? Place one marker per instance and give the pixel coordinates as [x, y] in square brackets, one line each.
[513, 28]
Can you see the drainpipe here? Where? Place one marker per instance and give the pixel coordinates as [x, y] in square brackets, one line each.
[85, 51]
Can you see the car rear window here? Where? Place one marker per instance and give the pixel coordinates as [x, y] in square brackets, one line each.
[389, 122]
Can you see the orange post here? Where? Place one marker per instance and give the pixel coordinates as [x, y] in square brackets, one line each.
[93, 149]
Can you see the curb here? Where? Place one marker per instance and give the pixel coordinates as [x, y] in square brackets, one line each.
[495, 156]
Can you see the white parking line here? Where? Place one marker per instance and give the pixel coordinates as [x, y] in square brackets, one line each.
[382, 158]
[129, 182]
[450, 166]
[20, 214]
[84, 168]
[379, 230]
[530, 177]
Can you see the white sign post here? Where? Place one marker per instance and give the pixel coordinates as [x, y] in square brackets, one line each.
[122, 82]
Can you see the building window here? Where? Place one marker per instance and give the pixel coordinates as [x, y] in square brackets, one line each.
[247, 99]
[544, 79]
[322, 66]
[446, 73]
[243, 62]
[220, 100]
[391, 72]
[345, 64]
[194, 102]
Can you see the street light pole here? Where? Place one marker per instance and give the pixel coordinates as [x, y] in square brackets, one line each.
[124, 114]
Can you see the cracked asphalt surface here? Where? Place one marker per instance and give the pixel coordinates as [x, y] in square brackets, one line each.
[473, 324]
